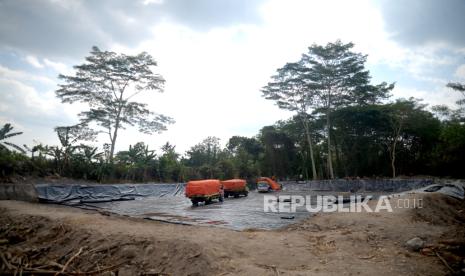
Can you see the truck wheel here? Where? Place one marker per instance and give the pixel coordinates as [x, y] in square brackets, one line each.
[246, 193]
[236, 195]
[195, 202]
[208, 201]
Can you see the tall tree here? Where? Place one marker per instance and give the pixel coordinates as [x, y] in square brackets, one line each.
[206, 152]
[245, 154]
[107, 82]
[292, 91]
[279, 152]
[409, 129]
[169, 166]
[460, 87]
[397, 116]
[338, 77]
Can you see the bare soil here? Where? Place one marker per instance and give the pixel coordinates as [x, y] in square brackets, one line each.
[40, 239]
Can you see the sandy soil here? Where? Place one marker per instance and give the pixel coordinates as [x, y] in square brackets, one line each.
[50, 238]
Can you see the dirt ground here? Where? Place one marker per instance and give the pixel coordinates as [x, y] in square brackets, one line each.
[40, 239]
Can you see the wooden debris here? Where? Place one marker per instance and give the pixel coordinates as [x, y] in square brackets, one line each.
[70, 260]
[366, 257]
[444, 261]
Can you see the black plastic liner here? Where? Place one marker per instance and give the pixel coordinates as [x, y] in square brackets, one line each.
[357, 185]
[167, 203]
[79, 194]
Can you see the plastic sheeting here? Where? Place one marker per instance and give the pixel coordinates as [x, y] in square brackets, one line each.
[451, 189]
[358, 185]
[79, 194]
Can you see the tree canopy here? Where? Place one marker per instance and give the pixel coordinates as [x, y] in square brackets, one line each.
[324, 79]
[108, 82]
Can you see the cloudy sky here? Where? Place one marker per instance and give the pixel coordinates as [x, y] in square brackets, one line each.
[216, 55]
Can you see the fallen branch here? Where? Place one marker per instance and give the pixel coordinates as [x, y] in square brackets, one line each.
[34, 271]
[366, 257]
[95, 272]
[275, 270]
[70, 260]
[453, 242]
[50, 264]
[105, 248]
[4, 260]
[444, 261]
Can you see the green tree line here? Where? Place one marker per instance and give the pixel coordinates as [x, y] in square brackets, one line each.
[363, 146]
[343, 126]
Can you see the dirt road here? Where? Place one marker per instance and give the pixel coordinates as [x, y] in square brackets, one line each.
[50, 238]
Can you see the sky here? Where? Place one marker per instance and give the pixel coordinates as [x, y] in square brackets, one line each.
[216, 55]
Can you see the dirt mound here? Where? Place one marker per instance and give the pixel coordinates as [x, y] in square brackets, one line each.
[443, 211]
[439, 209]
[39, 245]
[52, 238]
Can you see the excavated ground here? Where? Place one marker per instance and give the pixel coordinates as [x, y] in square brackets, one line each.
[38, 239]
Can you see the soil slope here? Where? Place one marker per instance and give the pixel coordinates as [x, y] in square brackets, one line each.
[51, 238]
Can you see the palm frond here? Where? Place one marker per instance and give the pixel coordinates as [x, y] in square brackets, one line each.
[11, 135]
[15, 147]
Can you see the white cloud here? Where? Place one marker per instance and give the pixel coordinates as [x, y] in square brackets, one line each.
[36, 113]
[16, 94]
[460, 72]
[214, 76]
[57, 66]
[32, 60]
[30, 110]
[213, 85]
[23, 76]
[157, 2]
[440, 95]
[422, 62]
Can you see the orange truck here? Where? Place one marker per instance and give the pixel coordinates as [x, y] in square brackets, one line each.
[266, 184]
[235, 187]
[204, 191]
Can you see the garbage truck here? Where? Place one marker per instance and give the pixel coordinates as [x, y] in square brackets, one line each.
[204, 191]
[235, 187]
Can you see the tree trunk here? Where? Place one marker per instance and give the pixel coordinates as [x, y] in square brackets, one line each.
[309, 140]
[330, 162]
[337, 150]
[397, 131]
[115, 132]
[113, 142]
[393, 160]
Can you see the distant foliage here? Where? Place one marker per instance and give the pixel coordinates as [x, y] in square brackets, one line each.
[343, 127]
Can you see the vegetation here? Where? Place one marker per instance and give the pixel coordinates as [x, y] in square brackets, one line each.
[343, 127]
[107, 83]
[5, 133]
[325, 79]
